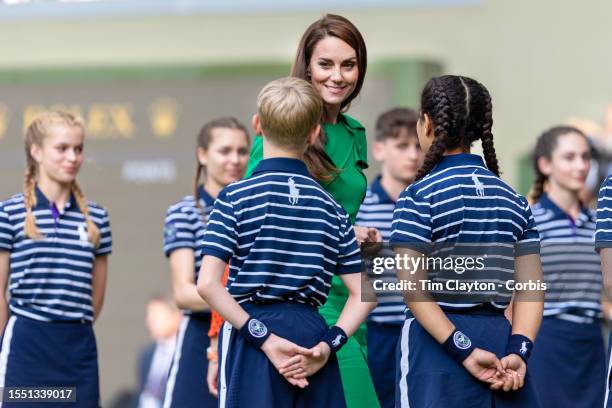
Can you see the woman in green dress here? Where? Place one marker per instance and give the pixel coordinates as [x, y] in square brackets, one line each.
[332, 56]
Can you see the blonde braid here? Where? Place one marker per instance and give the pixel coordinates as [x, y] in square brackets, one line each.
[29, 198]
[92, 229]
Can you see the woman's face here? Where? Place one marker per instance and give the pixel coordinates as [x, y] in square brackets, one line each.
[569, 164]
[333, 70]
[60, 155]
[226, 157]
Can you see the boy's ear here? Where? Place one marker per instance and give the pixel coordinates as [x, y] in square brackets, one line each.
[377, 151]
[314, 134]
[256, 124]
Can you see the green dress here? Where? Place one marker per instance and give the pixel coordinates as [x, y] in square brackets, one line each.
[347, 147]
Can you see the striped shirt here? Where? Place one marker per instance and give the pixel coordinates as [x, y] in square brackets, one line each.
[185, 226]
[572, 268]
[461, 204]
[376, 211]
[603, 234]
[51, 277]
[285, 235]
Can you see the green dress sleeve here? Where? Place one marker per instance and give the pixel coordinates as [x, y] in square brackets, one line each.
[256, 155]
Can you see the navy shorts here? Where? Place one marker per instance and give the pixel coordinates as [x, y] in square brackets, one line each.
[428, 377]
[567, 365]
[50, 354]
[382, 343]
[186, 386]
[248, 379]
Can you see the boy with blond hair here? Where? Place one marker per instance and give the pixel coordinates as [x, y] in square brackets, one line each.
[286, 238]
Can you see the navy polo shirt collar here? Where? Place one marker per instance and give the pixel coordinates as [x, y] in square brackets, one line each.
[377, 189]
[282, 164]
[548, 204]
[205, 197]
[461, 159]
[43, 203]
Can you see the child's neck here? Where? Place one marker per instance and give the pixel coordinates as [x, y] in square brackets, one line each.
[456, 150]
[212, 187]
[274, 152]
[392, 186]
[566, 200]
[55, 192]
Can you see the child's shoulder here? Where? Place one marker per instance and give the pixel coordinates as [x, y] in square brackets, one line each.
[185, 205]
[96, 210]
[13, 203]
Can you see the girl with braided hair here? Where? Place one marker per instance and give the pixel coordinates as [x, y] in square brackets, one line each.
[456, 348]
[572, 271]
[53, 256]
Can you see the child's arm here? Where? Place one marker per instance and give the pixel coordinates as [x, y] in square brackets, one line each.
[99, 272]
[4, 277]
[527, 311]
[212, 290]
[186, 296]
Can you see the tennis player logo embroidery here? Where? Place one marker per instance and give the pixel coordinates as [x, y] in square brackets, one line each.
[479, 186]
[257, 328]
[294, 192]
[83, 234]
[462, 341]
[523, 349]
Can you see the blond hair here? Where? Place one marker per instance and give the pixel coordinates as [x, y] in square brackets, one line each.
[37, 131]
[289, 108]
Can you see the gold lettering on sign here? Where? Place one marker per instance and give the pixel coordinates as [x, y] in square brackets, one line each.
[4, 119]
[163, 117]
[110, 121]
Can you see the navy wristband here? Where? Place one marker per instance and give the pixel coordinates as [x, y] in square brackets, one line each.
[519, 345]
[458, 346]
[255, 332]
[335, 338]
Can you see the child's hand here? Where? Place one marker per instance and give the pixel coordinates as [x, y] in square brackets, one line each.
[515, 369]
[211, 377]
[278, 350]
[486, 367]
[367, 234]
[308, 362]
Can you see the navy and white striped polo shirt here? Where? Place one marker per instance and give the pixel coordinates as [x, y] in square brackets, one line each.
[603, 234]
[285, 235]
[51, 278]
[184, 227]
[572, 268]
[376, 211]
[462, 202]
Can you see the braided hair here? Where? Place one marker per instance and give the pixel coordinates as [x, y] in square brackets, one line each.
[460, 109]
[545, 146]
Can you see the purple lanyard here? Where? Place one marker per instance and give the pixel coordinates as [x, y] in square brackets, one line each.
[55, 212]
[573, 224]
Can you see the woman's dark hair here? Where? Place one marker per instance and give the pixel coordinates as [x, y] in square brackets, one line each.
[460, 110]
[545, 146]
[330, 25]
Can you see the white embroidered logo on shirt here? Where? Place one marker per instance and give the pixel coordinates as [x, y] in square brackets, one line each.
[478, 184]
[294, 192]
[83, 237]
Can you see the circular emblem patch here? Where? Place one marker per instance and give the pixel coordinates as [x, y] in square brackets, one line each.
[257, 328]
[462, 341]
